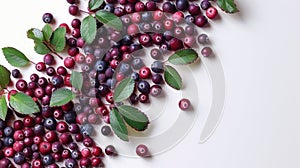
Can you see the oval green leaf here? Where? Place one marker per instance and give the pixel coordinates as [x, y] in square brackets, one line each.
[182, 57]
[61, 97]
[118, 125]
[88, 29]
[172, 77]
[109, 19]
[4, 77]
[58, 39]
[95, 4]
[124, 89]
[23, 103]
[76, 80]
[41, 48]
[134, 118]
[228, 6]
[15, 57]
[3, 107]
[35, 34]
[47, 32]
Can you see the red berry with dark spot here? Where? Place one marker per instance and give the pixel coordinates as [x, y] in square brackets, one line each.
[142, 151]
[21, 85]
[211, 12]
[40, 66]
[45, 148]
[19, 135]
[145, 72]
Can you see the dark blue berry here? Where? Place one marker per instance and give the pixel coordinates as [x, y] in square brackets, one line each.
[137, 63]
[48, 159]
[189, 19]
[157, 78]
[2, 124]
[205, 4]
[57, 81]
[157, 67]
[144, 87]
[182, 4]
[147, 16]
[103, 89]
[8, 141]
[16, 73]
[111, 83]
[70, 117]
[109, 8]
[101, 66]
[133, 99]
[70, 163]
[135, 76]
[39, 130]
[125, 68]
[19, 158]
[50, 123]
[8, 131]
[87, 129]
[109, 72]
[75, 154]
[47, 17]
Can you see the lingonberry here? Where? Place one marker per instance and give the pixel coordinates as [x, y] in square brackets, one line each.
[28, 141]
[80, 58]
[73, 128]
[9, 152]
[73, 146]
[73, 51]
[45, 148]
[110, 150]
[90, 59]
[58, 114]
[27, 152]
[37, 140]
[73, 10]
[168, 35]
[156, 54]
[18, 125]
[211, 12]
[16, 73]
[203, 39]
[21, 85]
[37, 163]
[119, 11]
[168, 24]
[106, 131]
[40, 66]
[39, 119]
[66, 26]
[175, 44]
[78, 137]
[189, 41]
[66, 154]
[34, 77]
[69, 62]
[51, 136]
[205, 4]
[106, 119]
[178, 17]
[75, 23]
[72, 43]
[97, 162]
[49, 59]
[145, 72]
[145, 39]
[39, 92]
[85, 152]
[50, 71]
[61, 127]
[80, 42]
[129, 8]
[28, 132]
[206, 51]
[19, 135]
[65, 138]
[42, 82]
[139, 6]
[88, 141]
[93, 118]
[47, 18]
[190, 30]
[28, 121]
[200, 21]
[142, 151]
[61, 70]
[184, 104]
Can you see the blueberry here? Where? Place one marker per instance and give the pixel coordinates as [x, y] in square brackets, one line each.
[47, 17]
[109, 72]
[144, 87]
[111, 83]
[135, 76]
[182, 4]
[71, 163]
[87, 129]
[8, 141]
[109, 8]
[19, 158]
[70, 117]
[101, 66]
[16, 73]
[125, 68]
[57, 80]
[39, 130]
[75, 154]
[147, 16]
[48, 159]
[1, 144]
[50, 123]
[205, 4]
[157, 67]
[127, 40]
[8, 131]
[137, 63]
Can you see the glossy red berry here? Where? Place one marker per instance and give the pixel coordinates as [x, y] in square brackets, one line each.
[211, 12]
[145, 72]
[21, 85]
[45, 148]
[51, 136]
[97, 151]
[80, 58]
[96, 162]
[178, 17]
[158, 15]
[175, 44]
[200, 21]
[168, 24]
[65, 138]
[132, 29]
[19, 135]
[9, 152]
[194, 9]
[184, 104]
[61, 127]
[40, 66]
[73, 10]
[142, 151]
[69, 62]
[18, 146]
[86, 153]
[110, 150]
[18, 125]
[66, 26]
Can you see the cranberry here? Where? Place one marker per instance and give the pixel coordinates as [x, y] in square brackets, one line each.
[85, 162]
[47, 17]
[9, 152]
[51, 136]
[96, 162]
[85, 152]
[200, 21]
[142, 151]
[21, 85]
[45, 148]
[37, 163]
[73, 10]
[69, 62]
[65, 138]
[184, 104]
[110, 150]
[18, 146]
[144, 72]
[66, 154]
[211, 12]
[143, 98]
[61, 70]
[97, 151]
[175, 44]
[62, 127]
[150, 6]
[57, 147]
[88, 142]
[40, 66]
[76, 33]
[19, 135]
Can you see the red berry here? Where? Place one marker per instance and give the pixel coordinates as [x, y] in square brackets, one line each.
[136, 17]
[200, 21]
[184, 104]
[18, 125]
[175, 44]
[28, 121]
[168, 24]
[85, 162]
[9, 152]
[96, 162]
[62, 127]
[85, 152]
[97, 151]
[178, 17]
[51, 136]
[67, 80]
[37, 140]
[45, 148]
[37, 163]
[145, 72]
[109, 97]
[65, 26]
[40, 66]
[65, 138]
[158, 15]
[80, 58]
[142, 151]
[66, 154]
[211, 12]
[19, 135]
[18, 146]
[69, 62]
[132, 29]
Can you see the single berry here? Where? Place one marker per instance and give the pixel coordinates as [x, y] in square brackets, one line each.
[184, 104]
[110, 150]
[49, 59]
[40, 66]
[182, 4]
[206, 51]
[106, 130]
[142, 151]
[47, 17]
[205, 4]
[69, 62]
[16, 73]
[19, 158]
[73, 10]
[145, 72]
[211, 12]
[143, 98]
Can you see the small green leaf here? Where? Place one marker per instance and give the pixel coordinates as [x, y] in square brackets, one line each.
[35, 34]
[181, 57]
[118, 125]
[23, 103]
[88, 29]
[3, 107]
[228, 6]
[47, 32]
[172, 77]
[76, 80]
[61, 97]
[95, 4]
[58, 39]
[4, 77]
[134, 118]
[124, 89]
[109, 19]
[41, 48]
[15, 57]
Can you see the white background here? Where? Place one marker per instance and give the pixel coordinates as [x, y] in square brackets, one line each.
[259, 50]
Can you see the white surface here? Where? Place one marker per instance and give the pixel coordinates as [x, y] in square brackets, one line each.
[260, 55]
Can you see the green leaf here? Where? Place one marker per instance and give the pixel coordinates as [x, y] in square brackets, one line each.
[118, 125]
[88, 29]
[109, 19]
[58, 39]
[4, 77]
[41, 48]
[228, 6]
[3, 107]
[35, 34]
[15, 57]
[95, 4]
[47, 32]
[124, 89]
[172, 77]
[23, 103]
[61, 97]
[181, 57]
[76, 80]
[134, 118]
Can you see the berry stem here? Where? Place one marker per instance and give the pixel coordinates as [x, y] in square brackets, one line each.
[52, 50]
[85, 12]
